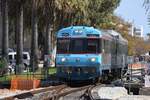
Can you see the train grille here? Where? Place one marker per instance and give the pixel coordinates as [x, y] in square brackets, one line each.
[78, 70]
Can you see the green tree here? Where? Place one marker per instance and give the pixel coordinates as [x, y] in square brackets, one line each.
[98, 10]
[49, 16]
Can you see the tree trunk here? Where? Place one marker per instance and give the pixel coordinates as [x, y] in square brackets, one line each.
[48, 39]
[5, 29]
[47, 50]
[34, 42]
[19, 60]
[61, 24]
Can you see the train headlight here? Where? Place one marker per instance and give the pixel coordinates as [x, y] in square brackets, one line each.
[63, 59]
[93, 59]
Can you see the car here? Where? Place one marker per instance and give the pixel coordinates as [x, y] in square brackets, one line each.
[26, 58]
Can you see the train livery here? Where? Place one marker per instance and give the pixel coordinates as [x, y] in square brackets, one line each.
[85, 53]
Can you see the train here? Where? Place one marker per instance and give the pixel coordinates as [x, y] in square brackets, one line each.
[88, 53]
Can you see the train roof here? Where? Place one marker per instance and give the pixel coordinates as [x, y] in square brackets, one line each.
[85, 31]
[116, 35]
[79, 31]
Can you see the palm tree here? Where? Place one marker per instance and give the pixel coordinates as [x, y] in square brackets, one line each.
[16, 15]
[19, 19]
[146, 5]
[71, 12]
[34, 41]
[49, 15]
[5, 29]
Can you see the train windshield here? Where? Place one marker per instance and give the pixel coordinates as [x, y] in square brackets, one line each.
[76, 46]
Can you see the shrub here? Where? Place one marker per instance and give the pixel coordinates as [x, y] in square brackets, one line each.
[3, 63]
[3, 66]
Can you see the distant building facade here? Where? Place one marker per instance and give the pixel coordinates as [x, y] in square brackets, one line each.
[136, 31]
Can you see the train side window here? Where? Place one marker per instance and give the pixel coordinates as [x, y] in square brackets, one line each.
[120, 48]
[113, 47]
[93, 46]
[106, 46]
[102, 46]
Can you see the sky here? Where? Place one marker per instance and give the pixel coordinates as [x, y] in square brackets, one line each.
[133, 11]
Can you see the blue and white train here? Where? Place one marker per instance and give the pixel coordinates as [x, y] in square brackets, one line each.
[85, 53]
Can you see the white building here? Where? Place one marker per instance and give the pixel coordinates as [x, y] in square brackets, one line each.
[137, 31]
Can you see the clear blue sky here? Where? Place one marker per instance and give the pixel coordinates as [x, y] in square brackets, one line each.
[133, 10]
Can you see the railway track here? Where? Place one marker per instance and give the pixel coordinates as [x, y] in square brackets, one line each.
[31, 93]
[57, 93]
[87, 94]
[61, 92]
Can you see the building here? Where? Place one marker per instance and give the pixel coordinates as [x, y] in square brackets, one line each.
[136, 31]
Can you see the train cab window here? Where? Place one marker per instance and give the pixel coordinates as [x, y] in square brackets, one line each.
[63, 45]
[93, 46]
[78, 45]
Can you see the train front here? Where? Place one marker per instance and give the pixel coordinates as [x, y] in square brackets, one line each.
[78, 55]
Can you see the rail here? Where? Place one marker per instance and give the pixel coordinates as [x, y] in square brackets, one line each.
[69, 91]
[31, 93]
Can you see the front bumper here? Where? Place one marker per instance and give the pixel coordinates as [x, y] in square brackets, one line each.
[77, 73]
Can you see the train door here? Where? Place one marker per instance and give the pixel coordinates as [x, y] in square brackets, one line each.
[113, 54]
[106, 54]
